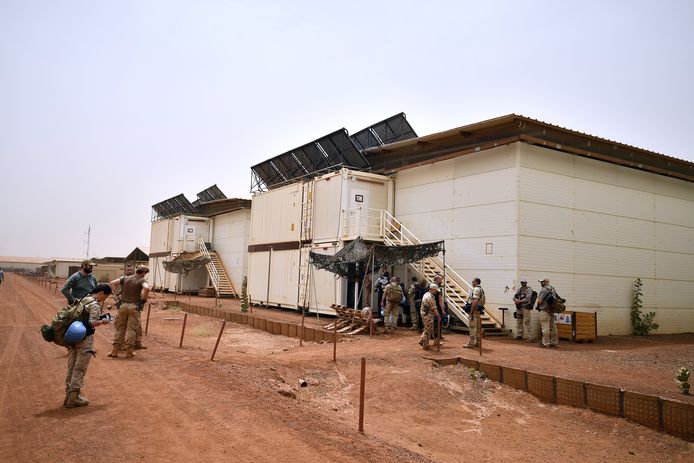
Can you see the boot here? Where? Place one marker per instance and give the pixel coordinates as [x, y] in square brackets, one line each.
[139, 346]
[67, 395]
[114, 352]
[129, 353]
[74, 399]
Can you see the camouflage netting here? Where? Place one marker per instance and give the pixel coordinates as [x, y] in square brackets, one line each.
[359, 252]
[186, 262]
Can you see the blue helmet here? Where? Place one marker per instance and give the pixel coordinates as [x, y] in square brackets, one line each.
[76, 332]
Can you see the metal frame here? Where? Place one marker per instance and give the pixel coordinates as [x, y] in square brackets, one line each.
[390, 130]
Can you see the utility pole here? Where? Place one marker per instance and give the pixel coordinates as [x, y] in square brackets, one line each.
[89, 236]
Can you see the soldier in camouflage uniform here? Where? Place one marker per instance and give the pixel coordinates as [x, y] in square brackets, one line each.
[550, 336]
[428, 311]
[411, 295]
[133, 298]
[80, 353]
[476, 299]
[392, 295]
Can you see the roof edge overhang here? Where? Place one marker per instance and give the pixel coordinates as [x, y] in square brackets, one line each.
[511, 128]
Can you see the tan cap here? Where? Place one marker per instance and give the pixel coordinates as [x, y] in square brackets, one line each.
[434, 286]
[88, 262]
[543, 279]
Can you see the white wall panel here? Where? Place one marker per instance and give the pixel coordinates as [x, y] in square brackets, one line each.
[674, 238]
[158, 241]
[674, 188]
[485, 220]
[674, 211]
[541, 220]
[284, 277]
[499, 158]
[276, 215]
[231, 236]
[609, 199]
[257, 275]
[674, 266]
[487, 188]
[546, 188]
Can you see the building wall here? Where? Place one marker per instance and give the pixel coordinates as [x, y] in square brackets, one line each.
[276, 215]
[470, 202]
[230, 240]
[594, 227]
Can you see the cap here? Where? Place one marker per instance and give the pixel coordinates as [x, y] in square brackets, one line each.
[524, 281]
[88, 262]
[434, 286]
[543, 279]
[142, 269]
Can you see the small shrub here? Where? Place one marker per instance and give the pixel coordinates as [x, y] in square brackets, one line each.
[682, 379]
[642, 324]
[244, 295]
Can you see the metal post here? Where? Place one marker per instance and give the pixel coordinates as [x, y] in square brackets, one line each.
[149, 307]
[221, 330]
[479, 330]
[335, 341]
[301, 335]
[183, 330]
[269, 267]
[361, 394]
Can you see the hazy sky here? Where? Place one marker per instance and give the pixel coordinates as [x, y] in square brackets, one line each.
[108, 107]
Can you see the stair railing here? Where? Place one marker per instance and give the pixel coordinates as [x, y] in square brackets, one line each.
[394, 233]
[211, 270]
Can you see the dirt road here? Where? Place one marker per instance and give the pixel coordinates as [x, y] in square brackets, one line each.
[171, 404]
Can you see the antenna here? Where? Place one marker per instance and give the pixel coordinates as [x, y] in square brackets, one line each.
[89, 236]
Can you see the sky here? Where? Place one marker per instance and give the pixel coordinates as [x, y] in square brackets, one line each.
[109, 107]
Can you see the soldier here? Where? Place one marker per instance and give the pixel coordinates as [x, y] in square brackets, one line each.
[133, 298]
[428, 312]
[440, 306]
[392, 295]
[523, 301]
[476, 300]
[79, 354]
[411, 298]
[550, 337]
[80, 283]
[130, 270]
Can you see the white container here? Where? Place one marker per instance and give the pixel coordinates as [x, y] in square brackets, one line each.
[279, 286]
[276, 215]
[319, 289]
[348, 190]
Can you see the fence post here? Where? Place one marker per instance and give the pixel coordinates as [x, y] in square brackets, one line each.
[183, 330]
[221, 330]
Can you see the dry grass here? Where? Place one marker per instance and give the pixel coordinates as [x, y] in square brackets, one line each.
[203, 330]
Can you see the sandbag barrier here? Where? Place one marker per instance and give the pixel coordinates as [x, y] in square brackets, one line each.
[665, 415]
[288, 329]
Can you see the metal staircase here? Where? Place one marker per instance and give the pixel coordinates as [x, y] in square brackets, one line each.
[457, 289]
[215, 269]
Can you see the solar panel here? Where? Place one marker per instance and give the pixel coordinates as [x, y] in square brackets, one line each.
[395, 128]
[210, 194]
[331, 152]
[174, 206]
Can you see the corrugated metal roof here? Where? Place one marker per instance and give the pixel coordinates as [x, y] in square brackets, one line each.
[512, 127]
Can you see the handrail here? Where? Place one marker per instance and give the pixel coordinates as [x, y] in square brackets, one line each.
[214, 275]
[394, 233]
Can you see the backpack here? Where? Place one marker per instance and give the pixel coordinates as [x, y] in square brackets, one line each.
[394, 294]
[558, 304]
[55, 332]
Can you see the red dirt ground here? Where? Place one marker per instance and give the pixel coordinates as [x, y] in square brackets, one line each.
[173, 404]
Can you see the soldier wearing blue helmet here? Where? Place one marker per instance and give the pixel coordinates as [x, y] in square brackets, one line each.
[79, 353]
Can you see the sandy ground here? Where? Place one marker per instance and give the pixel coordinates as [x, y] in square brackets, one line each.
[174, 404]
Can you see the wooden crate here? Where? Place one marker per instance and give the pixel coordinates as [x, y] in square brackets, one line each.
[577, 326]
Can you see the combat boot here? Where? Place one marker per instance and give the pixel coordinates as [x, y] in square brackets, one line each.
[114, 352]
[139, 346]
[74, 400]
[129, 353]
[67, 395]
